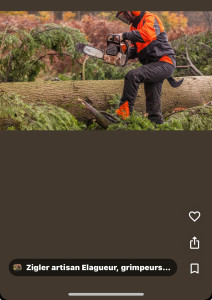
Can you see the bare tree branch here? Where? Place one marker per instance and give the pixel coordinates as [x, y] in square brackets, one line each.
[192, 65]
[183, 67]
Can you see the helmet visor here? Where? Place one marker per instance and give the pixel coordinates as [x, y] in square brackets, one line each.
[124, 17]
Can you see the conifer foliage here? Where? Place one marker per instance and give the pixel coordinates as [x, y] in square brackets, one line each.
[22, 53]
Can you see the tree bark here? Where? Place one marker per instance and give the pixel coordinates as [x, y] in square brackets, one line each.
[194, 91]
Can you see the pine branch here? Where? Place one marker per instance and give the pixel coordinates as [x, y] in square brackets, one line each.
[50, 54]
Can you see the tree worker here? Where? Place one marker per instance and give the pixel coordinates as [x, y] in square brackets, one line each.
[149, 43]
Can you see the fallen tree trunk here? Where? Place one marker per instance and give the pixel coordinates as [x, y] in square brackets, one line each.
[194, 91]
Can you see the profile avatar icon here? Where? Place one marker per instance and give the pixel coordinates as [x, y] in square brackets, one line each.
[17, 267]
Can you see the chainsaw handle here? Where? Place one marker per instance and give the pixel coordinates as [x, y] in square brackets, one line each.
[126, 53]
[113, 38]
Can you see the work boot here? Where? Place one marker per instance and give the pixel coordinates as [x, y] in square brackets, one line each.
[156, 118]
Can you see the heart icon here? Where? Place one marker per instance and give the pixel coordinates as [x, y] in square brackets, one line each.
[194, 215]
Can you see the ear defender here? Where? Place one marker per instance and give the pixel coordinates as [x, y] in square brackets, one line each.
[136, 13]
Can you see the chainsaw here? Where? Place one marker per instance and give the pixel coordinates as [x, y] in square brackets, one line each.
[116, 53]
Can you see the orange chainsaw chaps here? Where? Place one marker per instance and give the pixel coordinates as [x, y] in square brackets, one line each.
[123, 112]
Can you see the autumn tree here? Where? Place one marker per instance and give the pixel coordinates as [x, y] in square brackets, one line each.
[208, 18]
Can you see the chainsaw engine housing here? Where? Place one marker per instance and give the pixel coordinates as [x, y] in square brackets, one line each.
[115, 46]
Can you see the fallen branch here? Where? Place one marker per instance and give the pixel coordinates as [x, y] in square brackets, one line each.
[195, 110]
[100, 118]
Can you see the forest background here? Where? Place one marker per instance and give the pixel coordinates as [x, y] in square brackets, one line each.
[94, 26]
[40, 47]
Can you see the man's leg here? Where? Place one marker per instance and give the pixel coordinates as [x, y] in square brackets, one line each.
[150, 73]
[131, 86]
[153, 92]
[154, 75]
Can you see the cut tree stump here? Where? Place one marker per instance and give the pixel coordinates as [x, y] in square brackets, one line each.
[194, 91]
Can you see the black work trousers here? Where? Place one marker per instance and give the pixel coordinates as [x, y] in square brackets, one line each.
[152, 75]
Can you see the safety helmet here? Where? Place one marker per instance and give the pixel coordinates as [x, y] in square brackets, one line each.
[127, 16]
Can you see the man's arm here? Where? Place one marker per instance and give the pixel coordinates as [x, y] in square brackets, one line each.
[133, 52]
[147, 33]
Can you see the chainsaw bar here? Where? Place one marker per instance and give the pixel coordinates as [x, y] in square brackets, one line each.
[90, 51]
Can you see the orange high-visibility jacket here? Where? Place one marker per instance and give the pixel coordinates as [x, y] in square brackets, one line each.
[149, 40]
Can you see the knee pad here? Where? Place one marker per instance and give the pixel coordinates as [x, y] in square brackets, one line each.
[135, 76]
[130, 76]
